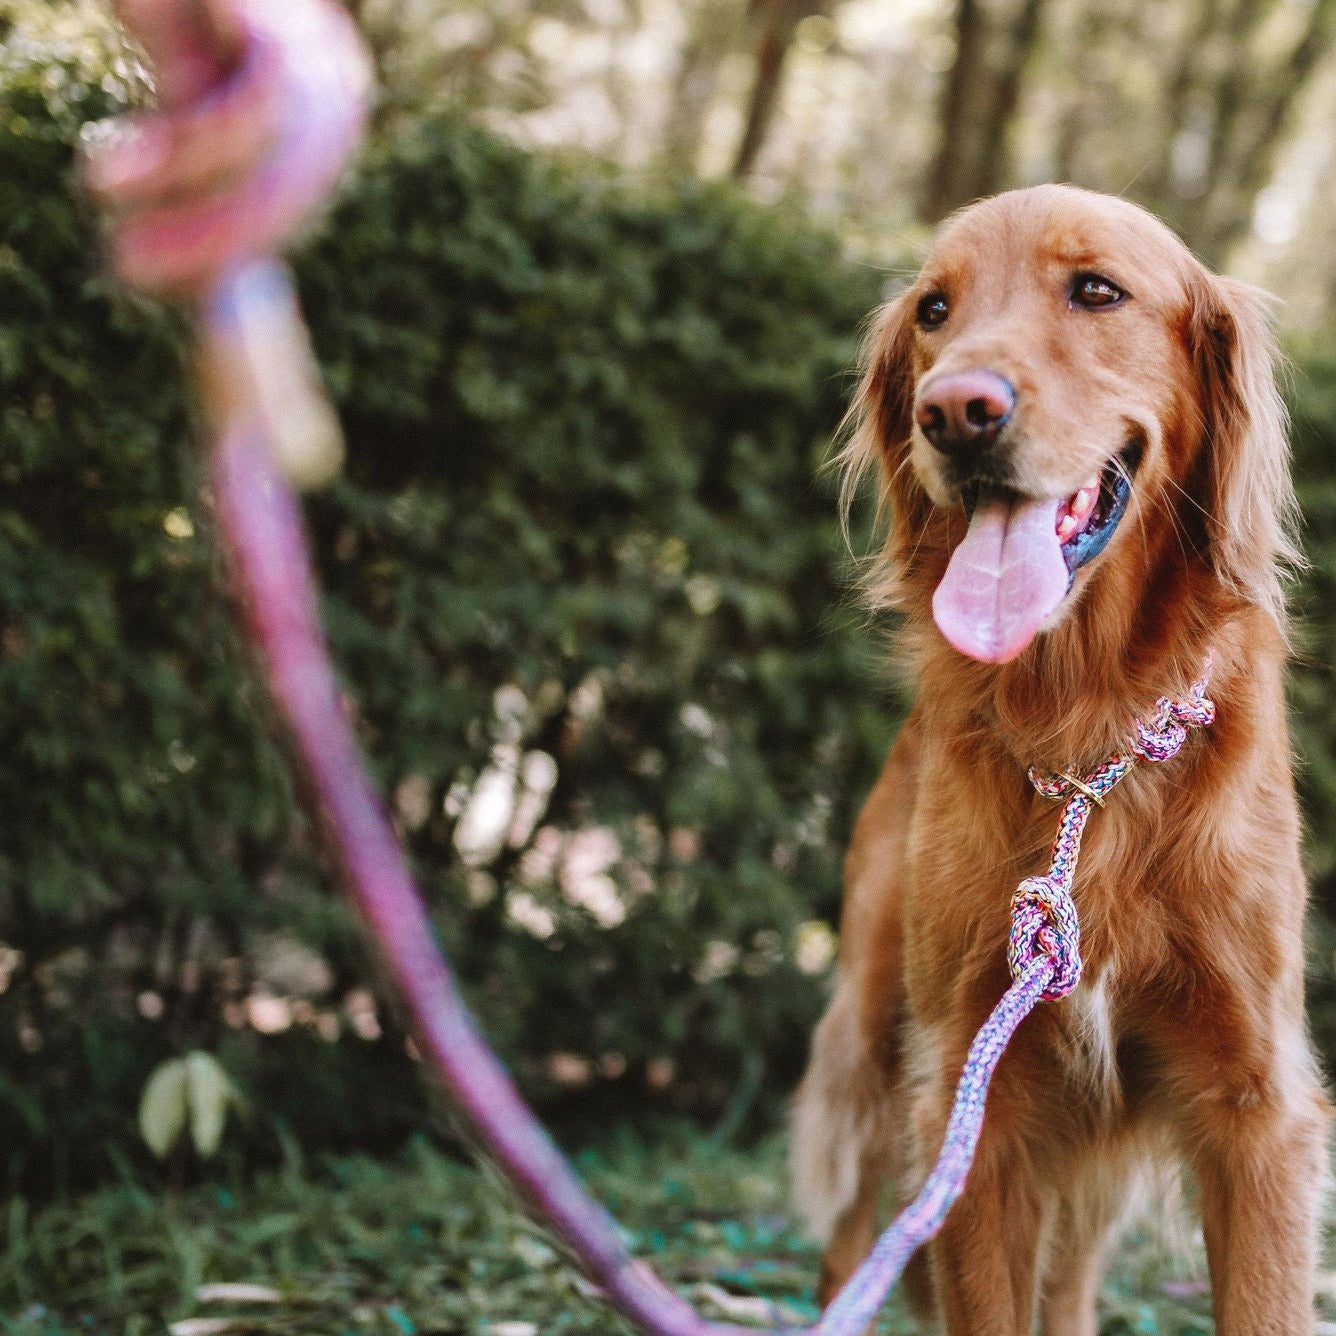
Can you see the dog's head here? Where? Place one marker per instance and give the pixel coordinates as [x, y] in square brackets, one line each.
[1063, 393]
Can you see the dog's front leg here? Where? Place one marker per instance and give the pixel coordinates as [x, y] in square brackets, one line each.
[984, 1261]
[1261, 1162]
[1241, 1084]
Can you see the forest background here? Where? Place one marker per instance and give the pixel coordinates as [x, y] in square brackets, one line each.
[589, 308]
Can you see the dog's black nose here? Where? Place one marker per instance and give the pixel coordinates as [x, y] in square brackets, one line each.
[962, 413]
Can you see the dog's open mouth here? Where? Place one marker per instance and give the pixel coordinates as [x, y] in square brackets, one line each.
[1020, 555]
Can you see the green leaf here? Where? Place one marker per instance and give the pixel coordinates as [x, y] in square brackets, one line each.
[209, 1093]
[163, 1106]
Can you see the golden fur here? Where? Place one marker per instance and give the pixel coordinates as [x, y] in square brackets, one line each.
[1186, 1039]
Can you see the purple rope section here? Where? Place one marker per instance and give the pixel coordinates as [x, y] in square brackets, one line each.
[259, 385]
[860, 1300]
[269, 422]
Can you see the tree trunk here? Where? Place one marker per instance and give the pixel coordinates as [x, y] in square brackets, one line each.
[992, 168]
[1184, 81]
[1232, 92]
[1250, 161]
[779, 19]
[964, 97]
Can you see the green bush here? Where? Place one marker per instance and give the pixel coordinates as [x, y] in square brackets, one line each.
[582, 561]
[581, 545]
[1312, 689]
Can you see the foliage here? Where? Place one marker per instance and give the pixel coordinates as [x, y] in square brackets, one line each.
[598, 510]
[187, 1094]
[426, 1245]
[590, 604]
[1313, 677]
[586, 597]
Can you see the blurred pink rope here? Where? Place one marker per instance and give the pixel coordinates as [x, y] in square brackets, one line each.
[289, 89]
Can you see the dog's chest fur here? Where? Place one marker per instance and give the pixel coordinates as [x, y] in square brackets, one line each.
[1089, 1044]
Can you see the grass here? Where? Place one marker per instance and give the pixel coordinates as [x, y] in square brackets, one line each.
[426, 1245]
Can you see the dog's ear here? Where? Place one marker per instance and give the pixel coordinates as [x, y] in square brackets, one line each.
[1244, 485]
[876, 430]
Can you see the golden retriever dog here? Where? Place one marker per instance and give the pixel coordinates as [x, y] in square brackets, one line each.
[1082, 451]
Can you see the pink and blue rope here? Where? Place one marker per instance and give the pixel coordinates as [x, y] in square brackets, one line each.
[310, 55]
[261, 528]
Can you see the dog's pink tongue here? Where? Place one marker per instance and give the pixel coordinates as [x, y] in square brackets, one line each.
[1003, 580]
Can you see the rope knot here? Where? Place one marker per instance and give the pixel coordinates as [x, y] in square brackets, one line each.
[1159, 737]
[1044, 922]
[1043, 915]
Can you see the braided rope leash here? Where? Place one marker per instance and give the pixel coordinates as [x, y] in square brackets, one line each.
[259, 523]
[261, 529]
[1043, 953]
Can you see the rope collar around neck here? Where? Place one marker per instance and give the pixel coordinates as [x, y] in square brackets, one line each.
[1043, 917]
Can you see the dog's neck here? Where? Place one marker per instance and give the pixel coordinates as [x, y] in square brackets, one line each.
[1075, 695]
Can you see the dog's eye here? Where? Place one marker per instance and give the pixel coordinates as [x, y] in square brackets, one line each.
[932, 311]
[1092, 291]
